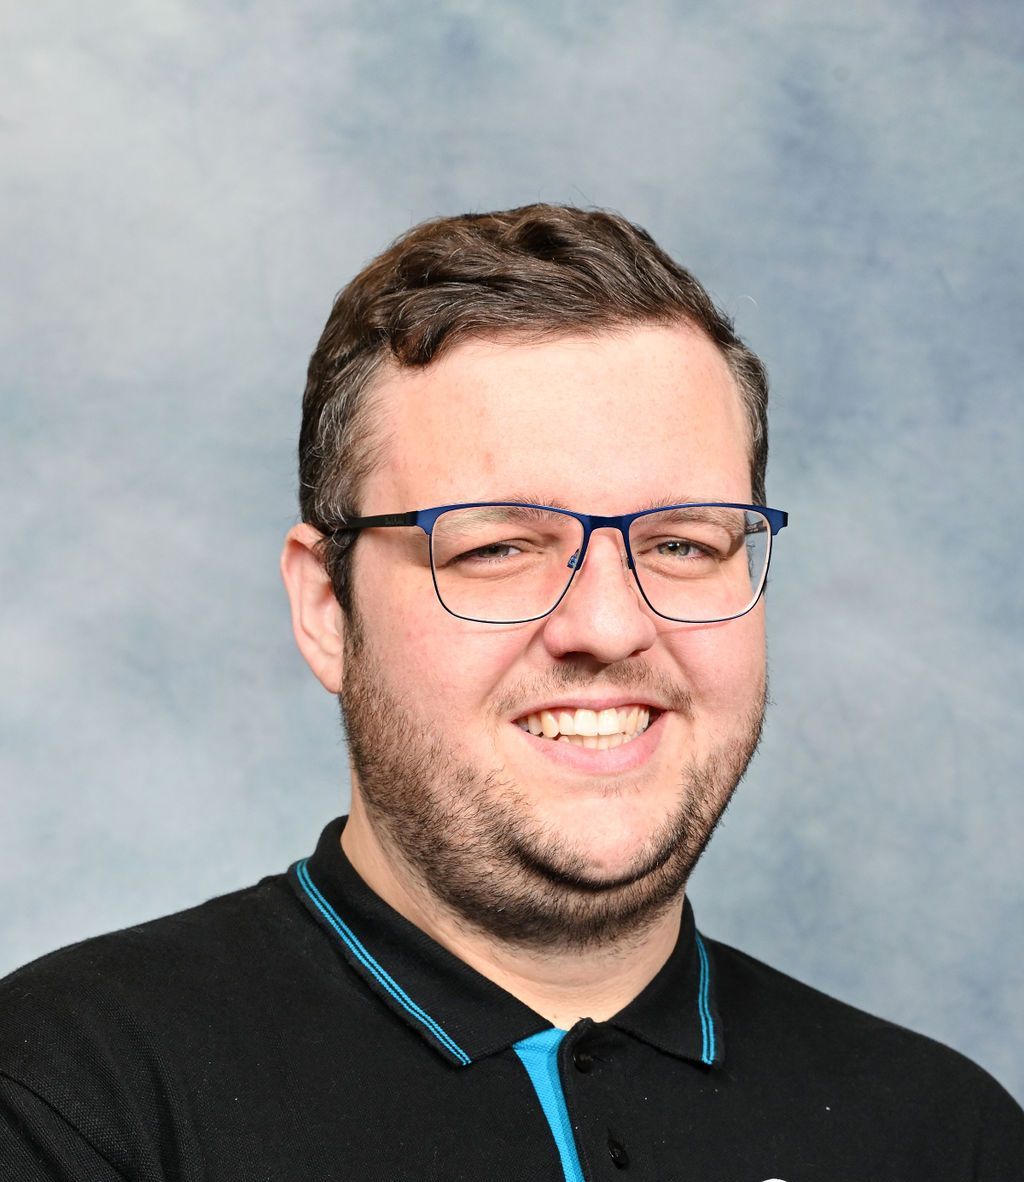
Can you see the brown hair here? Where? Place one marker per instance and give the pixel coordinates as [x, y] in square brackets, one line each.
[536, 271]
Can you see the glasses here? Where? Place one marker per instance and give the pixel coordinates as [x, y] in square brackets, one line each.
[509, 562]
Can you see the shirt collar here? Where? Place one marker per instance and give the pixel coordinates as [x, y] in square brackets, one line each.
[463, 1015]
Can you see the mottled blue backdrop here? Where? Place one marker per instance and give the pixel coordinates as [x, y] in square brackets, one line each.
[186, 185]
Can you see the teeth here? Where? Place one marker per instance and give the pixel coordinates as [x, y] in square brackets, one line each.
[586, 722]
[598, 730]
[608, 722]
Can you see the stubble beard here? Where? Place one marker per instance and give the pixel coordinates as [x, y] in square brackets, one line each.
[468, 837]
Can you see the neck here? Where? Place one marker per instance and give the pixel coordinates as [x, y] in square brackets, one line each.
[563, 985]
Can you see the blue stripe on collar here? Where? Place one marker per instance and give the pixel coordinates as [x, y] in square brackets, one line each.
[384, 979]
[707, 1025]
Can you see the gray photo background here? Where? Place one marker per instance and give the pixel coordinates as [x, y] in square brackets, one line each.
[186, 185]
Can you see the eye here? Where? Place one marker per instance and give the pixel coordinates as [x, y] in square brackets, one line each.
[682, 548]
[676, 547]
[494, 552]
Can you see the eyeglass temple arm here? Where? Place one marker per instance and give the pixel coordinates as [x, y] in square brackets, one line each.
[381, 520]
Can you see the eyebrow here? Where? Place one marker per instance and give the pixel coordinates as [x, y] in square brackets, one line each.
[520, 510]
[655, 503]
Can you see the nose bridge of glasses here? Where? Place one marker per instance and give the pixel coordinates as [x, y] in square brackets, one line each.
[590, 525]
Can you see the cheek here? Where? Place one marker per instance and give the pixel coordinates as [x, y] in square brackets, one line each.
[725, 664]
[435, 664]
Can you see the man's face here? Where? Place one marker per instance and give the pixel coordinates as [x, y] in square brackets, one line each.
[535, 840]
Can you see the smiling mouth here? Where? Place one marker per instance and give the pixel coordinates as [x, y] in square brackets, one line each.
[596, 729]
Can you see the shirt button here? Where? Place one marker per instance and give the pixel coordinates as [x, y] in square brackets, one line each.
[584, 1060]
[617, 1152]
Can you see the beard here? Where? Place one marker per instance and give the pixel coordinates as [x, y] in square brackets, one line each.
[467, 835]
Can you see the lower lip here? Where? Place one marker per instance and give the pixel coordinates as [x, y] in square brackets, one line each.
[624, 758]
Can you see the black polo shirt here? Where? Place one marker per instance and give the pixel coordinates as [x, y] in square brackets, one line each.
[302, 1030]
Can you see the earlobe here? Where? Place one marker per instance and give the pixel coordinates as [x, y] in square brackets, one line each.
[317, 619]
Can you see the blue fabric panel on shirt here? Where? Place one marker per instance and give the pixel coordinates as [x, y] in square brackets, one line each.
[539, 1055]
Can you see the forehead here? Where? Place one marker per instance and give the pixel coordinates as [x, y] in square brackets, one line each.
[602, 422]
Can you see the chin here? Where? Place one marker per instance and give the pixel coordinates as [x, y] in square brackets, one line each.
[608, 833]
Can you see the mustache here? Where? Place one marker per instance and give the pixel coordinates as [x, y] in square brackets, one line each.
[633, 675]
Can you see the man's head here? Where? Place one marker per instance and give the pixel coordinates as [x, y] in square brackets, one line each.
[555, 356]
[535, 273]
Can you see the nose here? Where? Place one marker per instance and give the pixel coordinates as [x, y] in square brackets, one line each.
[603, 614]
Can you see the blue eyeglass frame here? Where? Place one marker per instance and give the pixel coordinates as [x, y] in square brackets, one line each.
[426, 519]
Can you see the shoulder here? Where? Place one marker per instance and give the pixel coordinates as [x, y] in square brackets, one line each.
[98, 1039]
[905, 1104]
[779, 1019]
[99, 999]
[146, 953]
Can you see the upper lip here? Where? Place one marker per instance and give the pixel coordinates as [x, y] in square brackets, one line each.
[596, 704]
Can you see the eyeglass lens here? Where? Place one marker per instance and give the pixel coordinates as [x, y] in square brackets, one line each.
[504, 564]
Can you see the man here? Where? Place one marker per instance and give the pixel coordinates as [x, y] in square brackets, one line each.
[531, 564]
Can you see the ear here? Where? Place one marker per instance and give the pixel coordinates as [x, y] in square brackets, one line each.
[317, 619]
